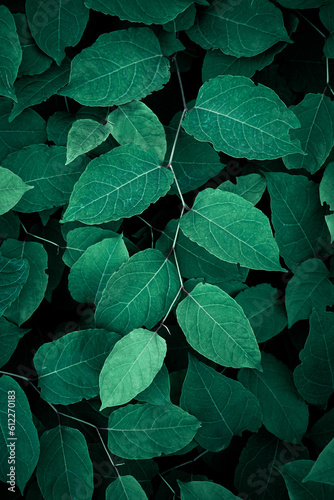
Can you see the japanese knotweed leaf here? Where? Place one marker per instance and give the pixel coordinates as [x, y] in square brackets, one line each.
[125, 488]
[10, 335]
[24, 432]
[119, 67]
[223, 406]
[216, 327]
[323, 468]
[131, 367]
[285, 414]
[10, 53]
[204, 490]
[43, 168]
[294, 473]
[90, 273]
[68, 368]
[85, 135]
[13, 275]
[121, 183]
[297, 216]
[63, 28]
[33, 290]
[31, 90]
[12, 188]
[250, 187]
[146, 431]
[158, 392]
[245, 30]
[242, 119]
[232, 229]
[326, 190]
[314, 376]
[65, 469]
[140, 293]
[309, 288]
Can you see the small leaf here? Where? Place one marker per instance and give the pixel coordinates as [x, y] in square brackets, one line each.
[85, 135]
[323, 468]
[12, 188]
[204, 490]
[125, 488]
[326, 190]
[10, 335]
[11, 53]
[13, 275]
[294, 474]
[250, 187]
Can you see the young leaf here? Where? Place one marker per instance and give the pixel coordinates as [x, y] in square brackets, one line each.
[294, 474]
[232, 229]
[158, 392]
[216, 327]
[205, 490]
[12, 188]
[326, 186]
[125, 488]
[146, 431]
[250, 187]
[323, 468]
[64, 468]
[85, 135]
[11, 53]
[13, 276]
[10, 335]
[123, 65]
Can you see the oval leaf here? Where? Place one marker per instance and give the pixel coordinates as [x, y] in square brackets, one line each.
[11, 53]
[85, 135]
[12, 188]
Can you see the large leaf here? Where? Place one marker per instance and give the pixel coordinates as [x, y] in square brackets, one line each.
[121, 183]
[146, 431]
[251, 187]
[131, 367]
[216, 326]
[12, 188]
[242, 119]
[84, 135]
[285, 414]
[10, 335]
[294, 474]
[123, 65]
[125, 488]
[204, 490]
[65, 469]
[232, 229]
[140, 293]
[13, 275]
[326, 190]
[19, 447]
[10, 53]
[323, 468]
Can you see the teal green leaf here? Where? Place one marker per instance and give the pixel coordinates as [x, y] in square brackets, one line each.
[58, 127]
[12, 188]
[158, 392]
[285, 414]
[27, 129]
[68, 368]
[9, 226]
[11, 53]
[314, 377]
[294, 474]
[34, 288]
[326, 190]
[135, 123]
[216, 327]
[31, 90]
[131, 367]
[326, 14]
[323, 468]
[223, 406]
[322, 432]
[183, 21]
[247, 29]
[146, 431]
[65, 469]
[242, 119]
[264, 310]
[26, 444]
[121, 183]
[204, 490]
[43, 167]
[62, 28]
[250, 187]
[297, 216]
[10, 335]
[125, 488]
[330, 224]
[309, 288]
[170, 44]
[140, 293]
[232, 229]
[85, 135]
[90, 273]
[13, 275]
[119, 67]
[301, 4]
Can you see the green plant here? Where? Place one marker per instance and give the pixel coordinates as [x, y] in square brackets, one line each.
[166, 269]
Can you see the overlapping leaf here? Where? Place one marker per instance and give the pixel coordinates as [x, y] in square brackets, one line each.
[205, 490]
[323, 468]
[85, 135]
[11, 53]
[251, 187]
[58, 127]
[13, 275]
[125, 488]
[10, 335]
[12, 188]
[294, 474]
[326, 189]
[158, 392]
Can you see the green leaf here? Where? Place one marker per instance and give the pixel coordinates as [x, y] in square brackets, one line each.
[309, 288]
[246, 29]
[330, 224]
[121, 183]
[31, 90]
[68, 368]
[158, 392]
[301, 4]
[204, 490]
[250, 187]
[13, 275]
[21, 443]
[146, 431]
[33, 290]
[65, 469]
[264, 311]
[135, 123]
[314, 376]
[43, 167]
[170, 44]
[182, 21]
[58, 127]
[9, 226]
[125, 488]
[322, 431]
[131, 367]
[326, 190]
[123, 65]
[285, 414]
[232, 229]
[242, 119]
[11, 53]
[323, 468]
[297, 216]
[85, 135]
[140, 293]
[12, 188]
[294, 474]
[10, 335]
[62, 28]
[223, 406]
[90, 273]
[216, 327]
